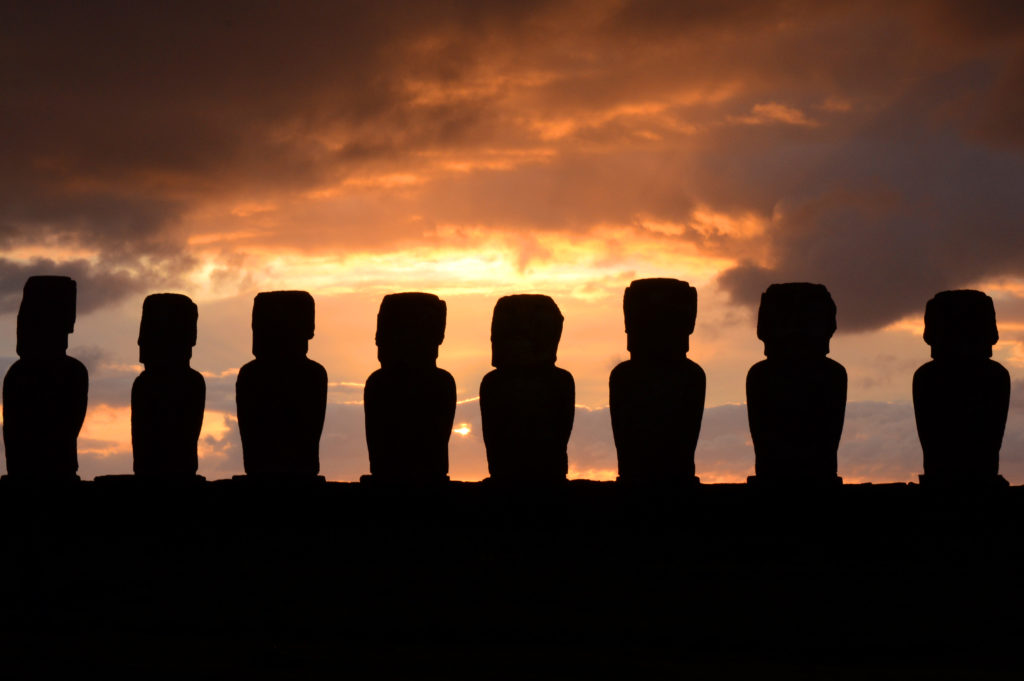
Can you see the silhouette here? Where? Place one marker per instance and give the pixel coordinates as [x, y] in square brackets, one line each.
[45, 391]
[880, 582]
[961, 397]
[527, 403]
[796, 398]
[409, 403]
[281, 395]
[657, 395]
[168, 397]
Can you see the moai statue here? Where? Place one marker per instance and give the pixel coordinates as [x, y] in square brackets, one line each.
[168, 397]
[45, 391]
[657, 395]
[409, 403]
[796, 398]
[961, 397]
[281, 395]
[527, 404]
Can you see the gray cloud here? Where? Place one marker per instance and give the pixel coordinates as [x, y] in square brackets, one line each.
[894, 216]
[724, 445]
[97, 286]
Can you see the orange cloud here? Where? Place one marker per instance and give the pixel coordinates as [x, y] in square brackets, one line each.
[773, 112]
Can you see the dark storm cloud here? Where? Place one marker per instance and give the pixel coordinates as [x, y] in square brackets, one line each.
[96, 285]
[892, 216]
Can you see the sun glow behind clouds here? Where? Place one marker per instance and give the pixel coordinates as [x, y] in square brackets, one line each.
[106, 431]
[474, 260]
[599, 474]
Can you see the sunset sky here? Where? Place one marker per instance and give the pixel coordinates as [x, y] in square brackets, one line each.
[477, 149]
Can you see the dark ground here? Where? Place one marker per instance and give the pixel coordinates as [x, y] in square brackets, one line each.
[723, 581]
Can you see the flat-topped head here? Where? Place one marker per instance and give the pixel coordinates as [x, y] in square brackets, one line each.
[525, 331]
[49, 301]
[796, 318]
[410, 327]
[46, 315]
[282, 323]
[960, 323]
[660, 315]
[168, 328]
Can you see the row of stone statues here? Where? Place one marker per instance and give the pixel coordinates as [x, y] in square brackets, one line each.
[796, 396]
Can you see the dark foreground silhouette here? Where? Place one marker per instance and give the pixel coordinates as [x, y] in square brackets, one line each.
[796, 398]
[409, 403]
[575, 580]
[656, 397]
[282, 394]
[527, 404]
[168, 397]
[961, 397]
[581, 580]
[45, 391]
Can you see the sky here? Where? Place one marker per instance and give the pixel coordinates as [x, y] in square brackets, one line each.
[475, 150]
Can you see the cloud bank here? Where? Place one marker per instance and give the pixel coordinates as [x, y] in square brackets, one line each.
[873, 146]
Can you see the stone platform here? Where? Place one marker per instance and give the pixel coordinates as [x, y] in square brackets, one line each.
[475, 580]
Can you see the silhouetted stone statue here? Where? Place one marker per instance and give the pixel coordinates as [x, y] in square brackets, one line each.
[45, 391]
[657, 395]
[409, 403]
[796, 398]
[168, 397]
[281, 395]
[527, 404]
[961, 397]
